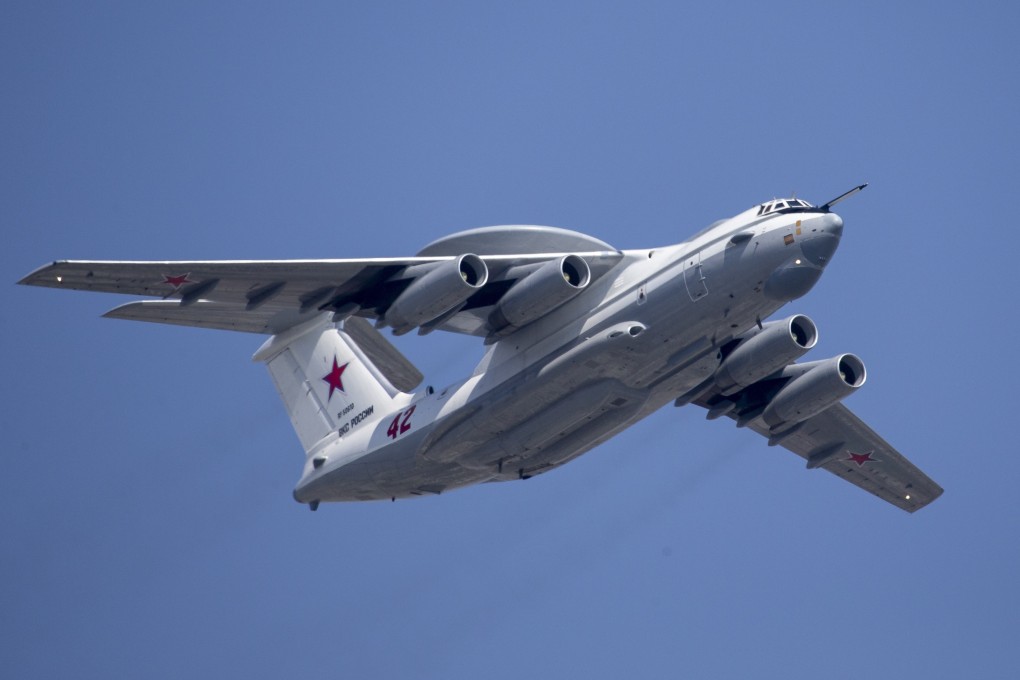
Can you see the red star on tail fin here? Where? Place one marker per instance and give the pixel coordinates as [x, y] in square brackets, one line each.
[334, 378]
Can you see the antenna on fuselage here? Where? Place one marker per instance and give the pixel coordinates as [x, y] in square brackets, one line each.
[848, 194]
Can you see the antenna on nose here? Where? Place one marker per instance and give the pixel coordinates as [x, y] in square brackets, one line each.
[848, 194]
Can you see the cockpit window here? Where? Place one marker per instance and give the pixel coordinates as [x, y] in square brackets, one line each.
[784, 205]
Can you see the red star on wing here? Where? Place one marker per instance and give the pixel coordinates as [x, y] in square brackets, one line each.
[861, 458]
[177, 281]
[334, 379]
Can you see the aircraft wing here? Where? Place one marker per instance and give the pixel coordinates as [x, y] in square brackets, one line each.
[838, 441]
[253, 296]
[269, 296]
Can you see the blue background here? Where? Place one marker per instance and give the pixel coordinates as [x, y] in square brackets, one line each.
[148, 529]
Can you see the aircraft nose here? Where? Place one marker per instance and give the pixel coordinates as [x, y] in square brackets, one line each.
[833, 224]
[823, 239]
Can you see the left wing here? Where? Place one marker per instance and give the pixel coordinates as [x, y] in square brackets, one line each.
[269, 296]
[840, 442]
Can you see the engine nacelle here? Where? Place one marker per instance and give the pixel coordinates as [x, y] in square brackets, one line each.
[436, 290]
[541, 291]
[777, 344]
[815, 387]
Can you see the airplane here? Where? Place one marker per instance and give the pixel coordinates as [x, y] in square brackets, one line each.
[581, 340]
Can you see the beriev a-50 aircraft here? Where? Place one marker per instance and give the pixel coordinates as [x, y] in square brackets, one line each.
[582, 340]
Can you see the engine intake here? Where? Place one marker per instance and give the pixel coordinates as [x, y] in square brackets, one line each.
[543, 290]
[437, 289]
[815, 387]
[777, 344]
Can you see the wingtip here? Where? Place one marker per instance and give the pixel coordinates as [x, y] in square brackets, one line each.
[43, 276]
[933, 495]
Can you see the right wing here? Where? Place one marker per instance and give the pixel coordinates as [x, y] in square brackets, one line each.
[252, 296]
[269, 296]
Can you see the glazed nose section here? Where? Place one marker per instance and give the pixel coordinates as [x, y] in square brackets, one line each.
[823, 239]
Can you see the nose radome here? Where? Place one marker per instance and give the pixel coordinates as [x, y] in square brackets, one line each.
[833, 224]
[821, 244]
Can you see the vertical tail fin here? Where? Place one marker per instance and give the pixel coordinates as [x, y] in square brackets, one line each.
[324, 379]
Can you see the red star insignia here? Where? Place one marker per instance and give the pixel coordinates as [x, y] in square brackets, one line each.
[861, 458]
[334, 379]
[177, 281]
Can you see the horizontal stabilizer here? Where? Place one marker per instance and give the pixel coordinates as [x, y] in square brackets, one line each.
[401, 373]
[207, 314]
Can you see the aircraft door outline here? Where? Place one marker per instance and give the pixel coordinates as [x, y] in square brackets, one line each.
[694, 277]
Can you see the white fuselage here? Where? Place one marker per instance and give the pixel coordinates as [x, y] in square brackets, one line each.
[647, 332]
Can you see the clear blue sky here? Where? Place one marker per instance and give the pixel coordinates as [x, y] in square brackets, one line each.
[148, 529]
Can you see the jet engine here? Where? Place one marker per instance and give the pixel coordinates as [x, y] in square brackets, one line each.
[777, 344]
[541, 291]
[436, 289]
[814, 387]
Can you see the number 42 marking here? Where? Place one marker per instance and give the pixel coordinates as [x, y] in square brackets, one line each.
[401, 423]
